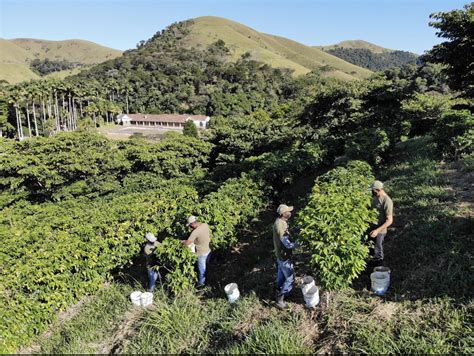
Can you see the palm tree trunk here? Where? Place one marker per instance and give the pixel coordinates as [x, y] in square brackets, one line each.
[34, 119]
[58, 118]
[28, 119]
[18, 123]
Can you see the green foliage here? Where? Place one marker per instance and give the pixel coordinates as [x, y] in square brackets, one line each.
[46, 66]
[237, 201]
[54, 254]
[178, 262]
[175, 156]
[365, 58]
[368, 145]
[454, 132]
[456, 52]
[334, 223]
[190, 129]
[41, 167]
[425, 109]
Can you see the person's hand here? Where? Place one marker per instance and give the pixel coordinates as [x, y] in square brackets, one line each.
[374, 233]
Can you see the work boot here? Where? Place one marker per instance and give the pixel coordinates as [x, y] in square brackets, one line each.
[280, 303]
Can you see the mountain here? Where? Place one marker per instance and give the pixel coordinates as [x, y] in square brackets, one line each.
[369, 55]
[17, 55]
[356, 44]
[276, 51]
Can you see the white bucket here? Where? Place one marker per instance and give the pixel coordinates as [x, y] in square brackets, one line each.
[380, 282]
[384, 270]
[135, 298]
[146, 299]
[311, 297]
[306, 284]
[192, 247]
[232, 292]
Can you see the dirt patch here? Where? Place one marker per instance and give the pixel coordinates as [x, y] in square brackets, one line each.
[386, 310]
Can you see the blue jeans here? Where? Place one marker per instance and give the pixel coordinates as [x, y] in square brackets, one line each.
[202, 265]
[153, 275]
[285, 276]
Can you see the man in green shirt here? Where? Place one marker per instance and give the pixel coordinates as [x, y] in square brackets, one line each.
[283, 252]
[384, 206]
[200, 237]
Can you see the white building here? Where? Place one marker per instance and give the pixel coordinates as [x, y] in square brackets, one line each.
[163, 121]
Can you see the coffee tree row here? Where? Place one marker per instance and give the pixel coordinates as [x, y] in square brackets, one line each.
[334, 223]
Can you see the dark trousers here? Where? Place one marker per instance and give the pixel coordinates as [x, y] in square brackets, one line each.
[378, 248]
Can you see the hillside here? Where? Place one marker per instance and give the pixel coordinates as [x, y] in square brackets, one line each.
[369, 55]
[356, 44]
[17, 54]
[276, 51]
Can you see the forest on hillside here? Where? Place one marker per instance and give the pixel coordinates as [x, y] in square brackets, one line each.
[75, 205]
[374, 61]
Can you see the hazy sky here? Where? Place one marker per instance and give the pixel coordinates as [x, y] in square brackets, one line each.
[121, 24]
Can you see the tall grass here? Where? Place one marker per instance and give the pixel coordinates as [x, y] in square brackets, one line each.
[93, 327]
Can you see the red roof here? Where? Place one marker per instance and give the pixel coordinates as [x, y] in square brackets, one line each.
[166, 117]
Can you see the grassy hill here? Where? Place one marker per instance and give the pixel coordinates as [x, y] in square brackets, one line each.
[276, 51]
[17, 54]
[356, 44]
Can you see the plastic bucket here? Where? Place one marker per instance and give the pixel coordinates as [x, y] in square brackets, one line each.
[380, 282]
[146, 299]
[307, 283]
[192, 247]
[232, 292]
[384, 270]
[135, 297]
[311, 297]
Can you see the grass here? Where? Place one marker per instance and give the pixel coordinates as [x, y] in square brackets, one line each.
[93, 328]
[16, 54]
[189, 324]
[276, 51]
[359, 323]
[428, 308]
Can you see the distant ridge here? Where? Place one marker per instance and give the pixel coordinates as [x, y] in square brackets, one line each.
[276, 51]
[17, 54]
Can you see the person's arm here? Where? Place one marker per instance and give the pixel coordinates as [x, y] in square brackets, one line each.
[385, 225]
[288, 244]
[285, 238]
[190, 239]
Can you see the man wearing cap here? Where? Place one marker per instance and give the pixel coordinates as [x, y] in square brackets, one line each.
[283, 251]
[384, 206]
[150, 260]
[200, 237]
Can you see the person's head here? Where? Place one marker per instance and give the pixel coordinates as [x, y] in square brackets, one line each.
[150, 237]
[284, 211]
[377, 188]
[192, 222]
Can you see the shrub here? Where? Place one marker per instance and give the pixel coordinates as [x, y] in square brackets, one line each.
[454, 133]
[334, 222]
[368, 145]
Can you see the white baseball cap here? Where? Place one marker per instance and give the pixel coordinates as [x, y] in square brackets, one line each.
[191, 219]
[282, 208]
[150, 237]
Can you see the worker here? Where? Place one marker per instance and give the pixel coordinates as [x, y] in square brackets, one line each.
[151, 260]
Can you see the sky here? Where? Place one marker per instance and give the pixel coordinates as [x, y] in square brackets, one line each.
[121, 24]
